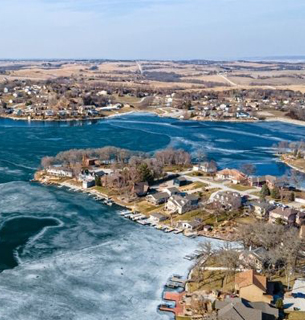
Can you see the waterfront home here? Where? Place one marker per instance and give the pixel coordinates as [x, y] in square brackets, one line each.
[228, 200]
[180, 182]
[207, 167]
[253, 287]
[269, 180]
[284, 215]
[60, 172]
[257, 181]
[239, 309]
[87, 162]
[157, 217]
[140, 189]
[182, 204]
[235, 176]
[262, 209]
[189, 225]
[88, 183]
[254, 258]
[158, 198]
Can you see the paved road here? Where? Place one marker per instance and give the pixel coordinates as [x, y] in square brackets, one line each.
[220, 185]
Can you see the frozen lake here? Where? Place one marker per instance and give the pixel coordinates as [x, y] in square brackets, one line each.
[78, 259]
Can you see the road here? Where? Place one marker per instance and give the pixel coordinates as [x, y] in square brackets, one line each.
[228, 80]
[220, 185]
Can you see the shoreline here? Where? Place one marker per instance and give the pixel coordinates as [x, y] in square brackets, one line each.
[195, 119]
[108, 200]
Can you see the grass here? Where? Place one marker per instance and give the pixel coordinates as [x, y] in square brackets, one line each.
[210, 192]
[296, 315]
[148, 208]
[126, 99]
[194, 186]
[105, 191]
[211, 280]
[183, 318]
[239, 187]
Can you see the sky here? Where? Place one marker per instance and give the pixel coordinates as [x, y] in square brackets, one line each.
[151, 29]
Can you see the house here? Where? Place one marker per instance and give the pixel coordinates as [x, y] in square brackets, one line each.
[272, 182]
[239, 309]
[228, 200]
[60, 172]
[88, 183]
[233, 175]
[158, 198]
[262, 209]
[157, 217]
[140, 189]
[253, 287]
[285, 215]
[89, 161]
[180, 182]
[182, 204]
[254, 258]
[207, 167]
[257, 181]
[189, 225]
[172, 191]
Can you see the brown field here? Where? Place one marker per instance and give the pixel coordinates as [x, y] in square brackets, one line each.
[217, 76]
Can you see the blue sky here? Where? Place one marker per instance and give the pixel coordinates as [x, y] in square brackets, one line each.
[151, 29]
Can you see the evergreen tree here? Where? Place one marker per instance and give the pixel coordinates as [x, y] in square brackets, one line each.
[275, 193]
[265, 191]
[279, 304]
[145, 173]
[292, 197]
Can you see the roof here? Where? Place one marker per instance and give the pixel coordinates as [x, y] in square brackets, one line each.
[238, 311]
[181, 179]
[158, 216]
[264, 205]
[250, 277]
[285, 212]
[160, 195]
[192, 197]
[234, 308]
[232, 173]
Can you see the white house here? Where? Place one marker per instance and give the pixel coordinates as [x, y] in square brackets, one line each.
[60, 172]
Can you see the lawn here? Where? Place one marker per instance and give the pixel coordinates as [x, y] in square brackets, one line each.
[148, 208]
[211, 280]
[239, 187]
[105, 191]
[194, 186]
[191, 215]
[296, 315]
